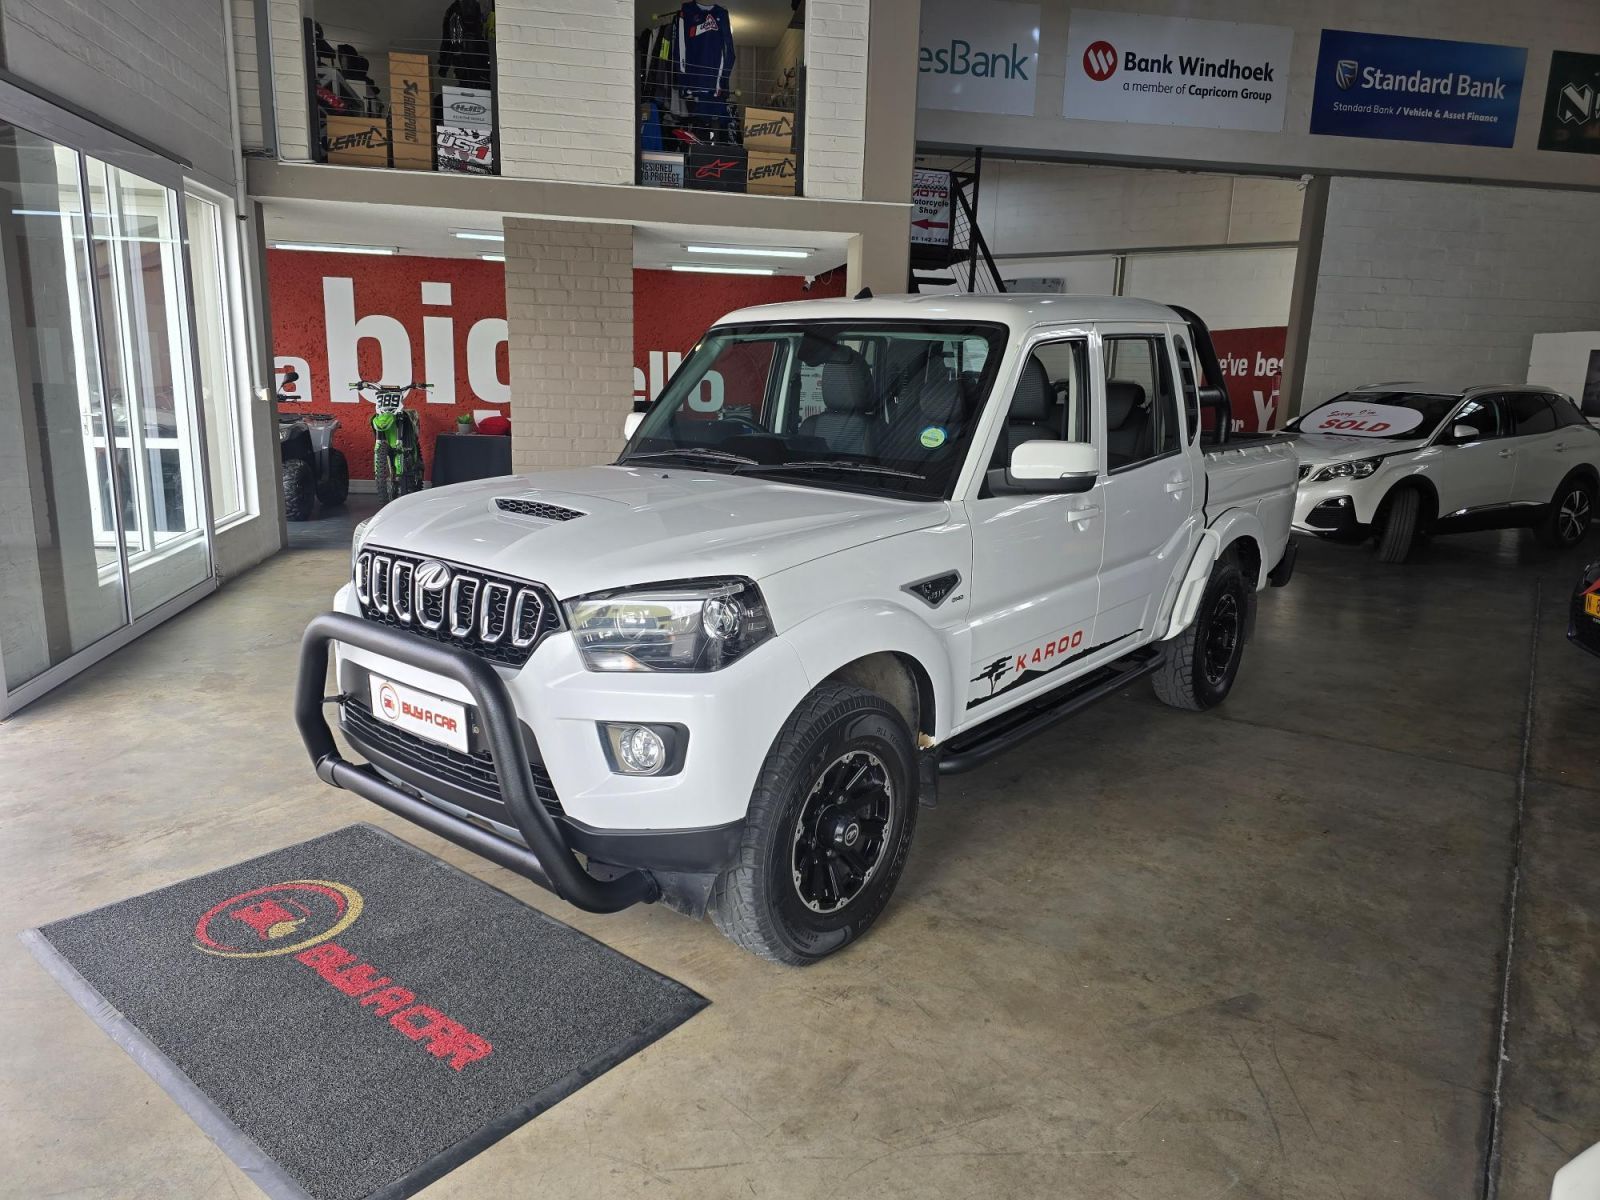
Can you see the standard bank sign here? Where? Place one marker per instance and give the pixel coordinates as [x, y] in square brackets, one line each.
[1417, 89]
[978, 57]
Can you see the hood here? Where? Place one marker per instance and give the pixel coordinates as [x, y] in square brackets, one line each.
[1325, 449]
[639, 525]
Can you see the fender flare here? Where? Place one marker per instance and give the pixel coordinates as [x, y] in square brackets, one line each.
[1214, 541]
[846, 632]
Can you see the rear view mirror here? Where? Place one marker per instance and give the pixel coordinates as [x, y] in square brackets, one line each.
[631, 424]
[1463, 433]
[1042, 466]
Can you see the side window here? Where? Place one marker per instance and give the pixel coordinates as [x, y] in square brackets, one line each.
[1051, 400]
[1191, 391]
[1484, 414]
[1141, 402]
[1567, 411]
[1531, 413]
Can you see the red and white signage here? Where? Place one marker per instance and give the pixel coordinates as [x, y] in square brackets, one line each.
[427, 716]
[1346, 419]
[1252, 360]
[930, 207]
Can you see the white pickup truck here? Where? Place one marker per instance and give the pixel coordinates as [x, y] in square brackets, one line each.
[855, 544]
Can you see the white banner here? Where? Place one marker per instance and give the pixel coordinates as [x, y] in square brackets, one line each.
[1176, 71]
[978, 56]
[930, 207]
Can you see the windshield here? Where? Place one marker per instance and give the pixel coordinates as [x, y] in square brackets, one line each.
[886, 407]
[1388, 415]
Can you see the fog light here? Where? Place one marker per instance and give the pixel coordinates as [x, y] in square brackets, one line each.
[639, 749]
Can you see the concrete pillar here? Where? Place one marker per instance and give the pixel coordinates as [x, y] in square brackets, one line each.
[569, 317]
[878, 261]
[836, 97]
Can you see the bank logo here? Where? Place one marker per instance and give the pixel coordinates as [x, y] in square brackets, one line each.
[1100, 61]
[433, 576]
[389, 701]
[1345, 73]
[277, 919]
[1575, 105]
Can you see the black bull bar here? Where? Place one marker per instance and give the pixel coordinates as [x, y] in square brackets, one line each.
[546, 859]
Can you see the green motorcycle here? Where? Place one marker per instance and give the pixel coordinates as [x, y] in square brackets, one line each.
[397, 439]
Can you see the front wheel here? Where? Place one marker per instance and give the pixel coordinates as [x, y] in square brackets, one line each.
[828, 830]
[334, 487]
[1203, 661]
[383, 474]
[299, 489]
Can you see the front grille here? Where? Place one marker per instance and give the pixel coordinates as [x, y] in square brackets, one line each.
[497, 618]
[470, 772]
[532, 508]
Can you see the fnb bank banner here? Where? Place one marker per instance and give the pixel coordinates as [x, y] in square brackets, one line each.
[337, 318]
[1411, 89]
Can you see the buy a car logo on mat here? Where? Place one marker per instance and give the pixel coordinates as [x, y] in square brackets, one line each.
[279, 918]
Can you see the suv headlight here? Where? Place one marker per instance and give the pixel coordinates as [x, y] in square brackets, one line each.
[687, 625]
[356, 540]
[1357, 468]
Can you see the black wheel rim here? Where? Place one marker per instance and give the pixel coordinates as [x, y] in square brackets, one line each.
[1572, 518]
[1222, 639]
[842, 831]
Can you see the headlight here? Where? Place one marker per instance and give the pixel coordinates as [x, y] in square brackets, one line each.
[1358, 468]
[355, 542]
[690, 625]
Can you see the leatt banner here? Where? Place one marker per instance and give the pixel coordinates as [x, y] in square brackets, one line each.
[1571, 120]
[1176, 71]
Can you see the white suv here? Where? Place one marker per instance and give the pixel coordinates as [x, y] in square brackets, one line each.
[1400, 461]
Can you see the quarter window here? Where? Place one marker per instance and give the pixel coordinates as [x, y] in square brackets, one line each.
[1531, 413]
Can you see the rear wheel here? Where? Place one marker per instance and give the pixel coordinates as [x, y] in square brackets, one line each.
[828, 830]
[1203, 661]
[334, 488]
[1571, 513]
[299, 490]
[1397, 531]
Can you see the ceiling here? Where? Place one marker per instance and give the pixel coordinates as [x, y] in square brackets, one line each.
[431, 231]
[755, 22]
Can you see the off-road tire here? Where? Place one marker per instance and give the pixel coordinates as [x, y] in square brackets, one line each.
[383, 477]
[1187, 677]
[1571, 513]
[1398, 536]
[757, 902]
[333, 489]
[299, 490]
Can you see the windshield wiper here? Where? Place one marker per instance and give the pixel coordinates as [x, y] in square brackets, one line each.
[694, 452]
[827, 465]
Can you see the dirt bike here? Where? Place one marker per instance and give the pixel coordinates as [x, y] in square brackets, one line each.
[313, 470]
[396, 438]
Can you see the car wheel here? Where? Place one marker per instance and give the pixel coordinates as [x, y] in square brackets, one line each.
[334, 489]
[1202, 662]
[828, 830]
[1397, 532]
[299, 490]
[1571, 513]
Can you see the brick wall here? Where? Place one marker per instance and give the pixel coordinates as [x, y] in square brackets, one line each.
[247, 67]
[836, 98]
[289, 79]
[1447, 282]
[566, 90]
[569, 314]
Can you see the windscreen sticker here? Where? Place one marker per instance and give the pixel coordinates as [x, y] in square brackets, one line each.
[1361, 420]
[932, 437]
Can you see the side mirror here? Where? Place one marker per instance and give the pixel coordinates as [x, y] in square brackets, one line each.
[631, 423]
[1050, 467]
[1464, 433]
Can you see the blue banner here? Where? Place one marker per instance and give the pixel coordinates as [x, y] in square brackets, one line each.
[1417, 89]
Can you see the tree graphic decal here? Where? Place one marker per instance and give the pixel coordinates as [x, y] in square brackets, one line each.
[991, 674]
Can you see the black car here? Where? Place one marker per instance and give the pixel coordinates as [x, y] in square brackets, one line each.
[1584, 626]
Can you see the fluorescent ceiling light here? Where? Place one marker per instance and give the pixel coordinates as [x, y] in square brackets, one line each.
[478, 235]
[705, 270]
[332, 248]
[751, 251]
[492, 257]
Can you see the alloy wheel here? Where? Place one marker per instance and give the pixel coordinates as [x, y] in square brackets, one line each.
[841, 834]
[1572, 519]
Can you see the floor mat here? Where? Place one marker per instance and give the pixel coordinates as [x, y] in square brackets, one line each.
[351, 1018]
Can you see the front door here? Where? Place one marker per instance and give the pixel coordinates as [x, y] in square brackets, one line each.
[1478, 473]
[1035, 558]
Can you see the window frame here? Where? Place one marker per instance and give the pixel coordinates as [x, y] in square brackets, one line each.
[1165, 365]
[1094, 418]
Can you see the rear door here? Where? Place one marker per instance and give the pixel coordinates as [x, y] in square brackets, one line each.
[1479, 473]
[1541, 443]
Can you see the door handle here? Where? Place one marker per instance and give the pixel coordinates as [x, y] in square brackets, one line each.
[1177, 487]
[1087, 513]
[1561, 449]
[1508, 454]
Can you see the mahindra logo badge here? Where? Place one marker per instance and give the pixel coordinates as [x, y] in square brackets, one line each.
[1345, 73]
[1100, 61]
[277, 919]
[433, 576]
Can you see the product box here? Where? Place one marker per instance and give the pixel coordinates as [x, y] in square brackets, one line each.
[658, 168]
[466, 108]
[465, 151]
[771, 173]
[768, 129]
[411, 111]
[358, 141]
[718, 167]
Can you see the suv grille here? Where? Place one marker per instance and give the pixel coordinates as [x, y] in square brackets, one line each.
[496, 618]
[532, 508]
[469, 772]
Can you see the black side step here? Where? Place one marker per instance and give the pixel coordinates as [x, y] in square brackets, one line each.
[1021, 723]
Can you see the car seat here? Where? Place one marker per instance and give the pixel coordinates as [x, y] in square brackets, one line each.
[846, 423]
[1129, 432]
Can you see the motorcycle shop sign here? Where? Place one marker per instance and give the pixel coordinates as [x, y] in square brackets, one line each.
[1151, 70]
[978, 57]
[930, 208]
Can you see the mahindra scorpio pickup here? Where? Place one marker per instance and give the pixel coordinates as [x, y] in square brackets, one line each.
[853, 546]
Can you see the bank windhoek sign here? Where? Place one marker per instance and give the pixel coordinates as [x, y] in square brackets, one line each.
[1175, 71]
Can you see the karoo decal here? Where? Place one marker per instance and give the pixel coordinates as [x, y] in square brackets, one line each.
[301, 917]
[1027, 665]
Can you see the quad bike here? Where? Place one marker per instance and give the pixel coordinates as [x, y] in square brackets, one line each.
[313, 470]
[397, 439]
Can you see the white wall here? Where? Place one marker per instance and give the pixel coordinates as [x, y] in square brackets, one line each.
[247, 67]
[1229, 289]
[835, 131]
[1447, 282]
[1541, 27]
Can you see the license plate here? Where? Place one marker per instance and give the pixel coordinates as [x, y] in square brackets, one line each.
[1591, 604]
[426, 715]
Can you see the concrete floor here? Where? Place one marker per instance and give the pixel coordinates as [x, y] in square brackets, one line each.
[1150, 955]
